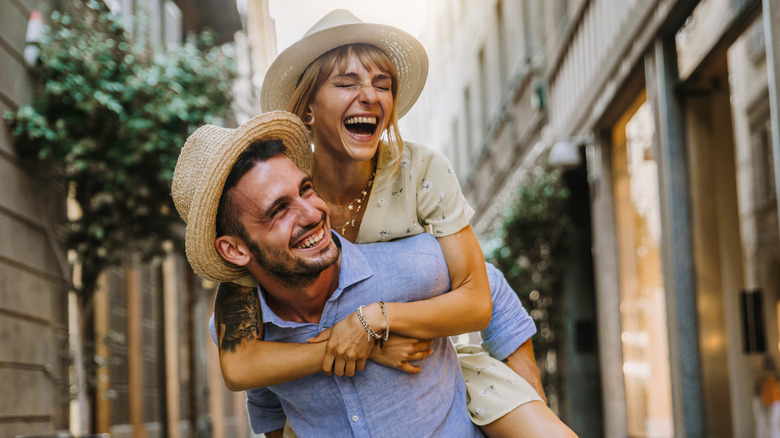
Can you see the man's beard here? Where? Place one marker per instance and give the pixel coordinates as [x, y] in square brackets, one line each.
[294, 271]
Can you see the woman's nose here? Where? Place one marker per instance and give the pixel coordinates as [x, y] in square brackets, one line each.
[368, 94]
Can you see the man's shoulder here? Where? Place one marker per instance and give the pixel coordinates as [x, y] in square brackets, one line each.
[416, 256]
[423, 243]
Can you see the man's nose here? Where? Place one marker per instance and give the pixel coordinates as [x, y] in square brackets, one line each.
[309, 212]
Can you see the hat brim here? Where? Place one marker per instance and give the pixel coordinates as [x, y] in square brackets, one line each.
[406, 52]
[201, 230]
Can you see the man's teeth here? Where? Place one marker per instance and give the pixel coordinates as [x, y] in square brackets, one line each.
[313, 240]
[355, 120]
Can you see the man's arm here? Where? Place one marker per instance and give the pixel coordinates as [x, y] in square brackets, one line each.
[522, 361]
[508, 337]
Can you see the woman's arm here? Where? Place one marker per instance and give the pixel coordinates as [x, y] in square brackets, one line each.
[466, 308]
[248, 362]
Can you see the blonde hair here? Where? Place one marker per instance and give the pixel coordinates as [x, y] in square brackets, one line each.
[319, 71]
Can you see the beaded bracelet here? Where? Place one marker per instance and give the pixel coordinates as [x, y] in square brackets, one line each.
[371, 334]
[387, 322]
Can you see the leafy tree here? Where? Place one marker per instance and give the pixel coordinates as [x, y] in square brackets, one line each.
[530, 249]
[110, 116]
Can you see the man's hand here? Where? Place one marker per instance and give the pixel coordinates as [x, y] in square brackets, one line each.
[348, 347]
[399, 351]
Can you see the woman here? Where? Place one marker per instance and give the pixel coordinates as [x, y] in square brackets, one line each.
[349, 82]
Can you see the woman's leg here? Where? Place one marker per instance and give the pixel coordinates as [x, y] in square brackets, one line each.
[501, 402]
[532, 419]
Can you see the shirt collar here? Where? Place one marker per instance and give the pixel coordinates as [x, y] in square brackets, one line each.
[354, 268]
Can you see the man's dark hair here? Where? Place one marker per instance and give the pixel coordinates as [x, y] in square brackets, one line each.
[257, 152]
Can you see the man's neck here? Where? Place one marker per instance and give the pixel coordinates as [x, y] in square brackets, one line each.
[300, 300]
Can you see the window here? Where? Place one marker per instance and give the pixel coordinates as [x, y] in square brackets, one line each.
[469, 138]
[642, 294]
[501, 38]
[483, 90]
[761, 137]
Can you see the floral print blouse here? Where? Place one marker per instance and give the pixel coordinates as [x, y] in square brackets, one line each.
[422, 195]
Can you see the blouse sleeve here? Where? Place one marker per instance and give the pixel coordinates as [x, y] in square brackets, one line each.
[440, 201]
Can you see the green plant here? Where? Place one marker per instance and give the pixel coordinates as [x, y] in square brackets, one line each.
[110, 116]
[529, 248]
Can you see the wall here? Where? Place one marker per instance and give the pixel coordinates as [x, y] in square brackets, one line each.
[33, 289]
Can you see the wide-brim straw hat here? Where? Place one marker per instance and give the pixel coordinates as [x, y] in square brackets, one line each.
[202, 169]
[339, 28]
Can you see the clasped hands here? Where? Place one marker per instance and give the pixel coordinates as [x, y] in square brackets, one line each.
[348, 347]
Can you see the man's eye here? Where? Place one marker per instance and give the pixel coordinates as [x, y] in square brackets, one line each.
[276, 211]
[306, 189]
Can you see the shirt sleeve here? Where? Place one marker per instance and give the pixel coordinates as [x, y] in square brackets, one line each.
[213, 330]
[265, 410]
[440, 201]
[263, 406]
[510, 325]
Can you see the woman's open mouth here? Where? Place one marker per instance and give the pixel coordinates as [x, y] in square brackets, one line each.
[361, 126]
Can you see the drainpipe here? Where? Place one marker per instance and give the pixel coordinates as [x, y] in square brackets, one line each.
[772, 41]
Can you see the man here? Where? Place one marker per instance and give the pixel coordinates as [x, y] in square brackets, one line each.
[273, 225]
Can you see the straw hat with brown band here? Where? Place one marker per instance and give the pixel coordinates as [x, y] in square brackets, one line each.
[201, 170]
[340, 28]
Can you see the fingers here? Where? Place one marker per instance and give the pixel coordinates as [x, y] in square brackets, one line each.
[321, 337]
[327, 363]
[349, 368]
[338, 367]
[422, 345]
[409, 368]
[361, 364]
[420, 355]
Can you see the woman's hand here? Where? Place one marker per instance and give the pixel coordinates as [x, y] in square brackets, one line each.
[347, 347]
[399, 351]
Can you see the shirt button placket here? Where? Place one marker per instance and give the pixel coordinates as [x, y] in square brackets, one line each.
[355, 418]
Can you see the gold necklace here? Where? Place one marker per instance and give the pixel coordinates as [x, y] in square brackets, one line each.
[359, 200]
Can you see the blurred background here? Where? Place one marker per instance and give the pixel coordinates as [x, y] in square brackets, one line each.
[621, 157]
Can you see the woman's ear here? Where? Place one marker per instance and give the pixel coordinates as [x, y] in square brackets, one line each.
[233, 250]
[308, 118]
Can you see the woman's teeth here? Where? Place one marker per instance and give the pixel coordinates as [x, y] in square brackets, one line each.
[361, 126]
[313, 240]
[354, 120]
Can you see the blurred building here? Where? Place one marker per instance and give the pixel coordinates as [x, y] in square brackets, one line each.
[666, 114]
[34, 273]
[156, 371]
[256, 50]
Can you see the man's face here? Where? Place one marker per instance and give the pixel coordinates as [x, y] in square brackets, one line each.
[286, 223]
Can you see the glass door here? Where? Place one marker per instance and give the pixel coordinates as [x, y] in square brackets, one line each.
[642, 303]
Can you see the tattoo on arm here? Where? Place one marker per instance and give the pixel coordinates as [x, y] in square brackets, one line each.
[237, 313]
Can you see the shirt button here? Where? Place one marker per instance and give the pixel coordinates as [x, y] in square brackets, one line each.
[355, 418]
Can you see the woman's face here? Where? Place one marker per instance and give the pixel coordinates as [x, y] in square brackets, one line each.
[351, 110]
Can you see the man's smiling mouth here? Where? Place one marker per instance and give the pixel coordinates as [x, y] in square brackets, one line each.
[311, 240]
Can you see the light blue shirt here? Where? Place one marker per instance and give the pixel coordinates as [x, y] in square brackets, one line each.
[381, 401]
